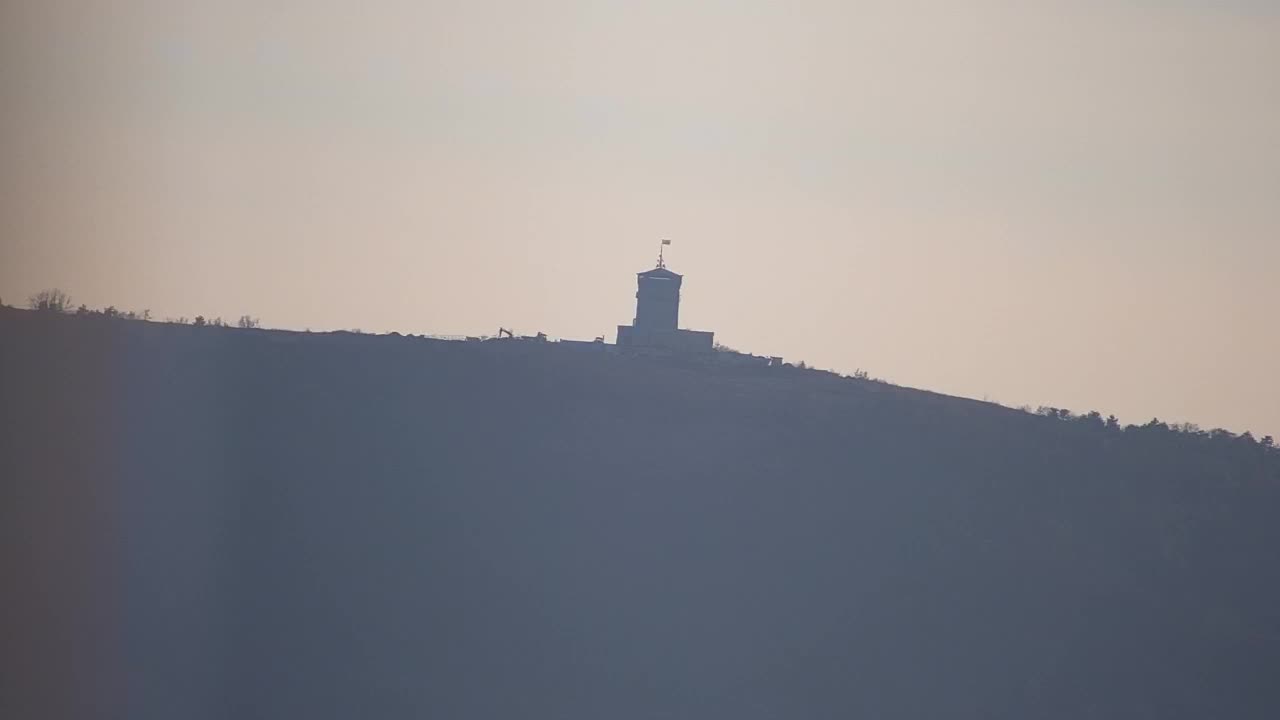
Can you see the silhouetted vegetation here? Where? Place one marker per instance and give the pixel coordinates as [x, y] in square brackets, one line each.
[57, 301]
[53, 300]
[1188, 434]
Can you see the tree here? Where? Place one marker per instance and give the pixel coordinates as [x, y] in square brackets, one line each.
[247, 322]
[1156, 425]
[199, 321]
[1092, 419]
[1055, 413]
[52, 300]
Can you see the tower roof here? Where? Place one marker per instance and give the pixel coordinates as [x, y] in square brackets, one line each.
[659, 273]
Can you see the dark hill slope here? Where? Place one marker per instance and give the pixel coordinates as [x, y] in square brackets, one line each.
[207, 522]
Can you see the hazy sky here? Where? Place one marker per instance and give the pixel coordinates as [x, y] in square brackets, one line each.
[1074, 202]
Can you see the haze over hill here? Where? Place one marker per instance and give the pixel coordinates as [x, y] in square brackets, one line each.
[216, 522]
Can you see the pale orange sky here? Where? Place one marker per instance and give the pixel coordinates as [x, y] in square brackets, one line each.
[1071, 203]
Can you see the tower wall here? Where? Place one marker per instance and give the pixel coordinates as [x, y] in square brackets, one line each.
[658, 303]
[678, 340]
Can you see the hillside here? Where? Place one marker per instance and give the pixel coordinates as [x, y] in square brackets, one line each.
[216, 522]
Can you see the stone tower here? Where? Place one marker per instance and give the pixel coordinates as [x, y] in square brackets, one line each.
[658, 300]
[657, 323]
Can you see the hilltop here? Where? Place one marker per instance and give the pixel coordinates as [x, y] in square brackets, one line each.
[224, 522]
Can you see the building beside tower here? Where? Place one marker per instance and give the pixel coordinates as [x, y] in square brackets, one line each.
[657, 322]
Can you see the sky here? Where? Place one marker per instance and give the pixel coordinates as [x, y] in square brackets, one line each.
[1072, 203]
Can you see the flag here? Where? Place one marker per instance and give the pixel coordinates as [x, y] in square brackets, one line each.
[666, 242]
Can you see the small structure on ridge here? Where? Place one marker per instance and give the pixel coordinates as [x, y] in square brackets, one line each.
[657, 321]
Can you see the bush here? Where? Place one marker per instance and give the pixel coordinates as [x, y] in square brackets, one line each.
[53, 300]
